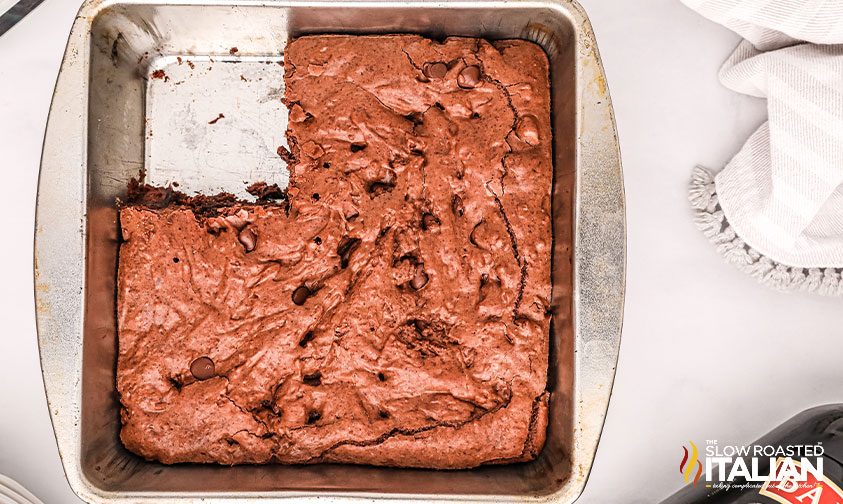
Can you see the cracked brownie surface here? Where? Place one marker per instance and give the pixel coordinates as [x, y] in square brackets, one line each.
[394, 310]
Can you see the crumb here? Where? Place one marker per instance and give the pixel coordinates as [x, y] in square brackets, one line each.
[263, 191]
[284, 154]
[214, 120]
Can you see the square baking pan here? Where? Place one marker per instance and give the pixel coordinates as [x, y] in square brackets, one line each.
[139, 88]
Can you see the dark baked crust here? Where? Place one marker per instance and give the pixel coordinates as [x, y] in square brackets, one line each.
[418, 225]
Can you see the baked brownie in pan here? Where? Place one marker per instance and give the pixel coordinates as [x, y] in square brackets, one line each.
[392, 308]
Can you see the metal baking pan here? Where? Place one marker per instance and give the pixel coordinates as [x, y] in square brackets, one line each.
[110, 118]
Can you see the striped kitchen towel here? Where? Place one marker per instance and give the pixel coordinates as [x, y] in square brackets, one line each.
[11, 492]
[776, 209]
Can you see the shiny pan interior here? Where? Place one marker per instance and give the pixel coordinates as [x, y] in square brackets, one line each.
[109, 120]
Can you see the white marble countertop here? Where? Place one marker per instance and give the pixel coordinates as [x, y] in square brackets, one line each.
[706, 353]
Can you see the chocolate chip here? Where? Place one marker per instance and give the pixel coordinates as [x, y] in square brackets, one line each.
[419, 279]
[315, 196]
[415, 118]
[456, 206]
[469, 77]
[301, 294]
[312, 379]
[472, 238]
[313, 416]
[346, 247]
[326, 165]
[248, 238]
[418, 324]
[381, 377]
[308, 336]
[176, 382]
[238, 221]
[435, 70]
[383, 413]
[428, 221]
[202, 368]
[357, 147]
[317, 240]
[527, 130]
[176, 260]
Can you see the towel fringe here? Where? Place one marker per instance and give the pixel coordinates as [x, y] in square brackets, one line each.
[711, 220]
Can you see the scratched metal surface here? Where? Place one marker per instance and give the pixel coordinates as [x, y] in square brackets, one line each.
[110, 119]
[215, 124]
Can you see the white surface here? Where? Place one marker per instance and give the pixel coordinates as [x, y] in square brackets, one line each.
[706, 353]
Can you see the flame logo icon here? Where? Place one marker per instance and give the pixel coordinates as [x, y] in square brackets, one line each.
[689, 461]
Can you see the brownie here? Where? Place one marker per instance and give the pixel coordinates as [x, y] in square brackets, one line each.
[392, 308]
